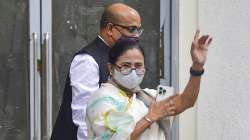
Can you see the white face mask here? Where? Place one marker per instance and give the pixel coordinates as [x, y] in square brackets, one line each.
[130, 81]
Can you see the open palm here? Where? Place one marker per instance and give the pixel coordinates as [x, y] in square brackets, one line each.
[199, 48]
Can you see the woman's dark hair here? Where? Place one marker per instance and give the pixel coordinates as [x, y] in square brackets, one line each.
[121, 46]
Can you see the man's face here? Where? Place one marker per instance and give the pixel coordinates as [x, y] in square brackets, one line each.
[127, 25]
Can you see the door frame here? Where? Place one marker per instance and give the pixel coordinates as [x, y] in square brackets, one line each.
[34, 51]
[169, 28]
[40, 67]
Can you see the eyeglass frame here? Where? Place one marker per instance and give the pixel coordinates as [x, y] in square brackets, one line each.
[139, 30]
[137, 70]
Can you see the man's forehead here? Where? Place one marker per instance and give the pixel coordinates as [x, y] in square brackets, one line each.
[128, 17]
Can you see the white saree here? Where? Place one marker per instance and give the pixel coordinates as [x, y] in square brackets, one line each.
[111, 115]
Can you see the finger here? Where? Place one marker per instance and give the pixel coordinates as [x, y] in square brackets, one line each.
[202, 40]
[171, 103]
[167, 105]
[171, 108]
[172, 100]
[196, 36]
[205, 39]
[209, 40]
[207, 43]
[171, 113]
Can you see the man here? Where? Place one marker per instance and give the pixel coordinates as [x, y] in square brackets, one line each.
[88, 70]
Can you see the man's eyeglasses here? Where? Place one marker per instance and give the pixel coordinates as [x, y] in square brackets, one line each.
[131, 29]
[127, 69]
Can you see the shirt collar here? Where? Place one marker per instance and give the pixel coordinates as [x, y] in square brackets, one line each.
[103, 40]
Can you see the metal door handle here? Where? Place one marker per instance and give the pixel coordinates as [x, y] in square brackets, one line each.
[32, 83]
[35, 87]
[46, 87]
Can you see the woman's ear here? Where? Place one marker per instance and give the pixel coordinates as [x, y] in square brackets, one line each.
[110, 68]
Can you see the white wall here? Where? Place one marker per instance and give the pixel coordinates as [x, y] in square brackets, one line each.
[188, 16]
[224, 103]
[223, 108]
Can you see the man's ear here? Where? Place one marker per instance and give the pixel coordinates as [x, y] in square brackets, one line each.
[110, 68]
[109, 28]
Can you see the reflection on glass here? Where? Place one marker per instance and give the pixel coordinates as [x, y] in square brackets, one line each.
[14, 122]
[76, 23]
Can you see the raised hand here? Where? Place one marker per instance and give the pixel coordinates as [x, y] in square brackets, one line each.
[199, 49]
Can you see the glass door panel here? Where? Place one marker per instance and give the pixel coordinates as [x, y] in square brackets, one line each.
[14, 70]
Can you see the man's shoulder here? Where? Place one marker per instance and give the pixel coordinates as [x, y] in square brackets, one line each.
[88, 47]
[86, 50]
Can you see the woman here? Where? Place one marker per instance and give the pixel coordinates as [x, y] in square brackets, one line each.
[114, 112]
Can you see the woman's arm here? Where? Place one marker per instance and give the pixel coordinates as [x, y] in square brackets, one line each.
[198, 52]
[189, 96]
[140, 127]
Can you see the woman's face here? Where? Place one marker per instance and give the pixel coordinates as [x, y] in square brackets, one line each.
[128, 71]
[132, 58]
